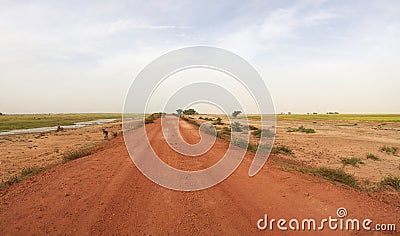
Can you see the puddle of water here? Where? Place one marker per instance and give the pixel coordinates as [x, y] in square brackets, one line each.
[47, 129]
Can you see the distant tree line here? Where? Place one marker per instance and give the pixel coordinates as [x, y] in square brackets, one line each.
[190, 111]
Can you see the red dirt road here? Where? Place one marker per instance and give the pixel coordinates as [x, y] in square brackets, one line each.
[106, 194]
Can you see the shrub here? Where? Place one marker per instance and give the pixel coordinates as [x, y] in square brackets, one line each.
[242, 143]
[252, 127]
[209, 129]
[372, 157]
[266, 133]
[301, 129]
[281, 150]
[30, 171]
[151, 118]
[10, 181]
[354, 161]
[392, 181]
[236, 127]
[389, 150]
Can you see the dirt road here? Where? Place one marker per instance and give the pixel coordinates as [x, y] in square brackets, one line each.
[106, 194]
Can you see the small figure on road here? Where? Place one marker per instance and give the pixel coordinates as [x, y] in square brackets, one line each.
[59, 128]
[105, 134]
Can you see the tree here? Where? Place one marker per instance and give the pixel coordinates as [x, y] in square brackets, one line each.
[190, 111]
[179, 111]
[236, 113]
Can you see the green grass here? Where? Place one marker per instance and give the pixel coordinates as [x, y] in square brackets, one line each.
[372, 157]
[344, 117]
[11, 122]
[302, 130]
[354, 161]
[26, 172]
[31, 171]
[334, 174]
[392, 181]
[20, 176]
[389, 150]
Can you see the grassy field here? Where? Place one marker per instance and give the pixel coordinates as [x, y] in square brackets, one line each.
[11, 122]
[345, 117]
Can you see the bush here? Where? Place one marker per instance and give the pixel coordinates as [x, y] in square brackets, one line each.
[301, 129]
[281, 150]
[389, 150]
[354, 161]
[30, 171]
[236, 127]
[392, 181]
[266, 133]
[372, 157]
[242, 143]
[151, 118]
[218, 121]
[209, 129]
[252, 127]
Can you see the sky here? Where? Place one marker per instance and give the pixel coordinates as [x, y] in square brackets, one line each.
[314, 56]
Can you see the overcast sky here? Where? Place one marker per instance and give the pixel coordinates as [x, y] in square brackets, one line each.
[315, 56]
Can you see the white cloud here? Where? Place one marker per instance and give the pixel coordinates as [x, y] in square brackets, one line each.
[127, 24]
[275, 28]
[52, 46]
